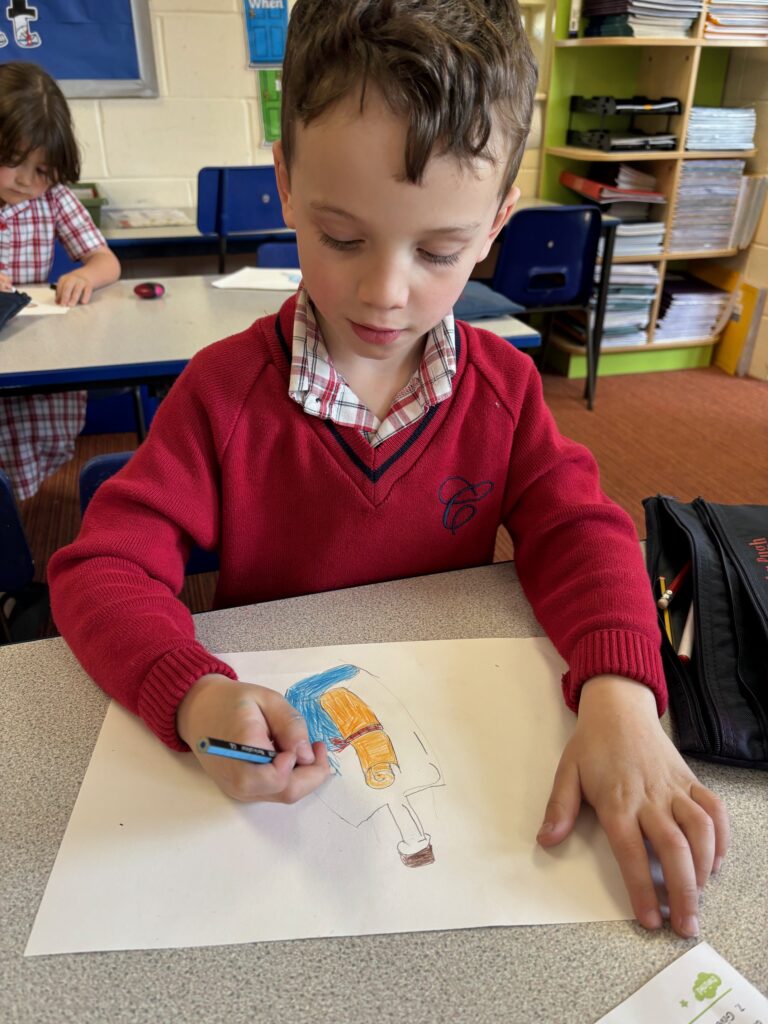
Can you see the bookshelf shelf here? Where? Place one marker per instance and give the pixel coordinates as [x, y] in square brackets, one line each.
[648, 41]
[632, 155]
[691, 69]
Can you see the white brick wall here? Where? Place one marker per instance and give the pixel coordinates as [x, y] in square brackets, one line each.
[147, 152]
[748, 83]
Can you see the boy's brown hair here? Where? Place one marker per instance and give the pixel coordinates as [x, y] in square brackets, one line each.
[35, 115]
[454, 69]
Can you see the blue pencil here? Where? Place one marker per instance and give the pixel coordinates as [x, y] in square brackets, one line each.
[237, 751]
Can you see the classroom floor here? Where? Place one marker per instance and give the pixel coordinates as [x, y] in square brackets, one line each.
[685, 433]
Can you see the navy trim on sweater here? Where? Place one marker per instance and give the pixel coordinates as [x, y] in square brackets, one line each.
[374, 475]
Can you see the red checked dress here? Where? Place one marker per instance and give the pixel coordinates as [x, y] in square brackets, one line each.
[38, 432]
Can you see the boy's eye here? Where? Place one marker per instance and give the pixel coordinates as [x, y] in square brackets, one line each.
[448, 260]
[337, 243]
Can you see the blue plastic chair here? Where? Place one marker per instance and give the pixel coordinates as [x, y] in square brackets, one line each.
[101, 468]
[278, 254]
[238, 200]
[17, 569]
[546, 264]
[129, 408]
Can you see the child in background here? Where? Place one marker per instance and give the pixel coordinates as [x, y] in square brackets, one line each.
[38, 155]
[362, 435]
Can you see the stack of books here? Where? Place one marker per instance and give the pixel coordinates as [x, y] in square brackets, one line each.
[631, 291]
[737, 19]
[721, 128]
[649, 18]
[707, 197]
[690, 310]
[629, 194]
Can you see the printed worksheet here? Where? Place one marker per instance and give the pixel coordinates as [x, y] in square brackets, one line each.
[701, 986]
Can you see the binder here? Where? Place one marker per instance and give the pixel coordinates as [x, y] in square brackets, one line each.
[604, 193]
[611, 105]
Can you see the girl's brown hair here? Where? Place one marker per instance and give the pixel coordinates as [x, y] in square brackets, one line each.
[35, 115]
[454, 69]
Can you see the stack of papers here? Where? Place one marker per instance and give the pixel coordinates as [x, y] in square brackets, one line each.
[706, 205]
[721, 128]
[146, 218]
[737, 19]
[651, 18]
[637, 239]
[663, 18]
[690, 310]
[631, 291]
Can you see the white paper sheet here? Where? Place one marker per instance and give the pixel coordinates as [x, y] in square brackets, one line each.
[268, 278]
[43, 302]
[155, 856]
[699, 986]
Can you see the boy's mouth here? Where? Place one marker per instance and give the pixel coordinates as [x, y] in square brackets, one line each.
[375, 335]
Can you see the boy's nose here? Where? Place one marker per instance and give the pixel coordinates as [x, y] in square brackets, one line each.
[384, 286]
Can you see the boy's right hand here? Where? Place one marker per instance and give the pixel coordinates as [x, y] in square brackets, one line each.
[247, 713]
[6, 285]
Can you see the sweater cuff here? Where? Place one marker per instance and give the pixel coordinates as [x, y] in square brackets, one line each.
[617, 653]
[167, 684]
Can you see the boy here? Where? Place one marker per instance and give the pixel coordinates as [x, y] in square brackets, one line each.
[360, 435]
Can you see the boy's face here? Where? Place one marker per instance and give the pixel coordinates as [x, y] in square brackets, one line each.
[27, 180]
[383, 260]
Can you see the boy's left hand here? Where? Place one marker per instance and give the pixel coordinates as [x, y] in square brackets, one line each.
[621, 761]
[72, 288]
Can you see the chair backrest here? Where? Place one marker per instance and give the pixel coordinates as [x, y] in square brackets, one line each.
[278, 254]
[547, 256]
[101, 468]
[16, 565]
[61, 264]
[232, 199]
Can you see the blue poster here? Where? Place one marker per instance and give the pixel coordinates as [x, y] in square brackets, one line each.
[266, 22]
[71, 39]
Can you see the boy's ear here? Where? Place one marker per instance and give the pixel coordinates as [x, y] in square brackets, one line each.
[283, 184]
[505, 211]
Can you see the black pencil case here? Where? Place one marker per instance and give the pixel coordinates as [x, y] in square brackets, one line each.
[10, 304]
[719, 698]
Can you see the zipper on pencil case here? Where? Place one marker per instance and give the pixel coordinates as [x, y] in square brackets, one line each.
[672, 663]
[752, 698]
[694, 673]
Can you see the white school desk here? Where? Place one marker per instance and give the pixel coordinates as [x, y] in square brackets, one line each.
[120, 338]
[563, 974]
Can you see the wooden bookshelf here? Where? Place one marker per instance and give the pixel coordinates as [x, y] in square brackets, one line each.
[693, 70]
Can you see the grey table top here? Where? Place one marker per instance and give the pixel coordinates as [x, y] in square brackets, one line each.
[553, 974]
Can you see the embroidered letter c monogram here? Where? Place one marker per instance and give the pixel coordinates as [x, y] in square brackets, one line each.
[460, 498]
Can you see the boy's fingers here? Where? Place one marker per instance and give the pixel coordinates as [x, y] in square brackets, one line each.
[715, 808]
[287, 726]
[698, 828]
[283, 781]
[628, 847]
[677, 863]
[563, 805]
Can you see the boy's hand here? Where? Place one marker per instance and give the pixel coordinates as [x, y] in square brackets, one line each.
[620, 760]
[6, 285]
[73, 288]
[246, 713]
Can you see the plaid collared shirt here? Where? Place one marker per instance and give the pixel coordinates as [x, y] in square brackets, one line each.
[316, 386]
[38, 432]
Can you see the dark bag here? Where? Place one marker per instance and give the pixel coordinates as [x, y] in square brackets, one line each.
[10, 304]
[718, 699]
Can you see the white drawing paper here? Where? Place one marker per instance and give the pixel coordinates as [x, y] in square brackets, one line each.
[444, 755]
[272, 279]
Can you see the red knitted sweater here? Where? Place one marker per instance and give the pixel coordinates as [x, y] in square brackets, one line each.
[295, 505]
